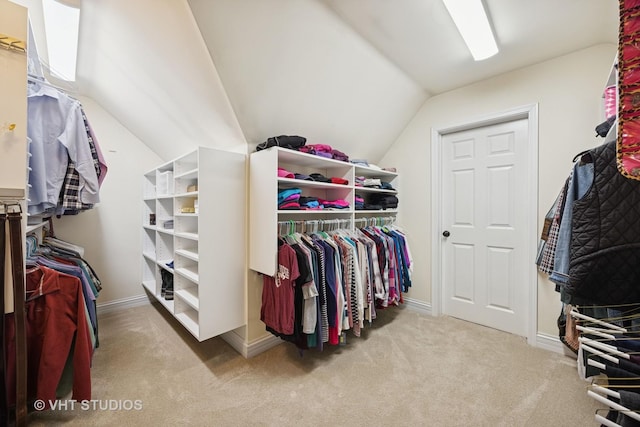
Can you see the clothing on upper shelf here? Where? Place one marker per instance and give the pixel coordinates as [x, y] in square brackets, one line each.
[286, 141]
[66, 164]
[328, 283]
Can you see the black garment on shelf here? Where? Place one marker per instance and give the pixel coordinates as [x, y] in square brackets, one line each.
[286, 141]
[386, 201]
[319, 177]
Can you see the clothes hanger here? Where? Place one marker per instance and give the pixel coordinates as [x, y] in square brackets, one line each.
[599, 353]
[613, 405]
[606, 422]
[608, 325]
[595, 332]
[603, 347]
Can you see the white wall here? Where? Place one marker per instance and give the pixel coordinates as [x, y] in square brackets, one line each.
[294, 67]
[13, 100]
[110, 232]
[568, 90]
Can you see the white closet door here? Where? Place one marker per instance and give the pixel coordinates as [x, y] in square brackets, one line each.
[484, 211]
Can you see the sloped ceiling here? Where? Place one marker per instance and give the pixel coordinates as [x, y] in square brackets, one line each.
[294, 67]
[350, 73]
[146, 63]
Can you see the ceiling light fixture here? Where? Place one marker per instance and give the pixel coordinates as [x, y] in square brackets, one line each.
[473, 25]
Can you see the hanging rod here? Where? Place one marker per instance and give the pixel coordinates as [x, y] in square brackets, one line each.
[13, 44]
[313, 225]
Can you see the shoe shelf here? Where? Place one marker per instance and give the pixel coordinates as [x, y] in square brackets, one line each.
[208, 274]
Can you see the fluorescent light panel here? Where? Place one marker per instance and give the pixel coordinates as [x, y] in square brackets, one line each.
[473, 25]
[61, 24]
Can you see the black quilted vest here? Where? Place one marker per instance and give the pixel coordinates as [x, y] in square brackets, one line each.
[605, 237]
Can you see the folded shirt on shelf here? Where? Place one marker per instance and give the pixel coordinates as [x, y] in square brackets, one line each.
[287, 192]
[294, 205]
[386, 185]
[372, 182]
[360, 162]
[293, 142]
[310, 203]
[302, 177]
[336, 180]
[334, 204]
[339, 155]
[324, 150]
[283, 173]
[319, 177]
[386, 201]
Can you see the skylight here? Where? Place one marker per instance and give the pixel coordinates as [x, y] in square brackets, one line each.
[61, 23]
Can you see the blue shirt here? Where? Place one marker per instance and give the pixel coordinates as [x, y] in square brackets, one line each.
[57, 134]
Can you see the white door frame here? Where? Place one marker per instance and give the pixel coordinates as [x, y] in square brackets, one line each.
[529, 112]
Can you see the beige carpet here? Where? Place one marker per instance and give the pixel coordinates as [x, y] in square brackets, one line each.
[407, 370]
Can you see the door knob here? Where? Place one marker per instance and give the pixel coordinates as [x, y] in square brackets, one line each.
[445, 233]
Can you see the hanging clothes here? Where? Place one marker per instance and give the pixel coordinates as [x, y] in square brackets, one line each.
[596, 253]
[67, 258]
[66, 164]
[330, 282]
[56, 329]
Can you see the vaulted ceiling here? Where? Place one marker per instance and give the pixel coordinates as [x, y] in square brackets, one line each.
[350, 73]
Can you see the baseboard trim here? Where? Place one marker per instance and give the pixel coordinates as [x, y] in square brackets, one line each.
[122, 304]
[252, 349]
[550, 343]
[235, 341]
[419, 306]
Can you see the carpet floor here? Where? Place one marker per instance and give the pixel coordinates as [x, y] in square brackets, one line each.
[407, 369]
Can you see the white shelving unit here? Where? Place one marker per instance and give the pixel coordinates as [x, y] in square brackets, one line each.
[264, 184]
[207, 247]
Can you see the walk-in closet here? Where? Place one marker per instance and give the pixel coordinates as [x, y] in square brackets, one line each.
[345, 212]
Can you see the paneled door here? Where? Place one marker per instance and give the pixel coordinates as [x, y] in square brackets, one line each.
[484, 226]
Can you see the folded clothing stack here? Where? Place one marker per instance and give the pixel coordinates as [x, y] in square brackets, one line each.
[372, 183]
[386, 201]
[386, 185]
[293, 142]
[288, 198]
[310, 204]
[359, 202]
[283, 173]
[324, 150]
[359, 181]
[360, 162]
[334, 204]
[339, 155]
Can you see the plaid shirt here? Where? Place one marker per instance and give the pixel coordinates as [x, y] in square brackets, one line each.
[549, 237]
[69, 201]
